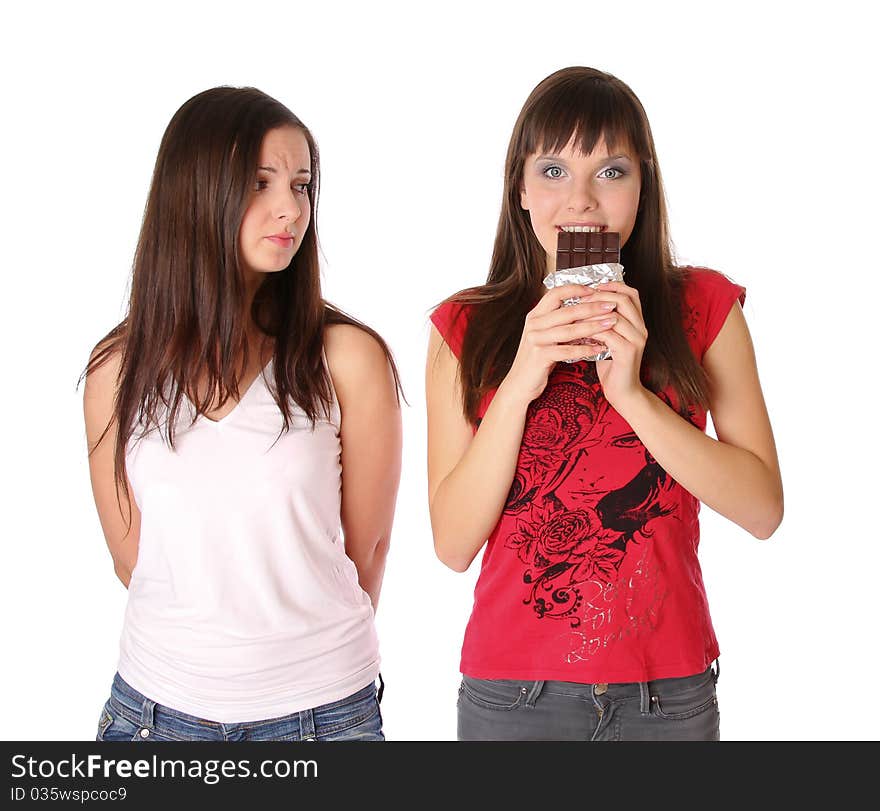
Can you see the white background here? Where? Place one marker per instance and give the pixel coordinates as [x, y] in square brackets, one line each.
[760, 114]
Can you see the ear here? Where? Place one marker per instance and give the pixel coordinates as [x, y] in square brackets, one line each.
[523, 199]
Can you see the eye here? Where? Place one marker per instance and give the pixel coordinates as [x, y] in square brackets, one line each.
[302, 188]
[554, 172]
[261, 184]
[611, 173]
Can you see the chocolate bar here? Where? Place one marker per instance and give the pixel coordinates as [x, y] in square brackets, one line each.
[576, 249]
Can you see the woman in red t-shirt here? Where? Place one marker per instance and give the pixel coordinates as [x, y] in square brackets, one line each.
[590, 619]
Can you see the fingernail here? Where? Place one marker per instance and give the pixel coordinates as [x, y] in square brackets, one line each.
[608, 322]
[607, 306]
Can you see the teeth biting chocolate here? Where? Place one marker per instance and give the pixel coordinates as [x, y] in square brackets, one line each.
[587, 258]
[574, 249]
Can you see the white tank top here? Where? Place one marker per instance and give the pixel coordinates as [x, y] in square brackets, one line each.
[243, 605]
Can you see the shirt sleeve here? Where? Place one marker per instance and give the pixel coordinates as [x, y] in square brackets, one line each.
[710, 297]
[450, 318]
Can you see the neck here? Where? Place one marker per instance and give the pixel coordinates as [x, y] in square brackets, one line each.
[252, 283]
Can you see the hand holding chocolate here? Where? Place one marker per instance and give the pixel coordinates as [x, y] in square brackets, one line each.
[586, 258]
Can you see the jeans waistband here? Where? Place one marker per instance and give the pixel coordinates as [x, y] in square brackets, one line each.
[604, 696]
[628, 689]
[141, 708]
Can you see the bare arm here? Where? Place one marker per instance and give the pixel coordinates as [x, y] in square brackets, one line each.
[737, 475]
[469, 475]
[371, 440]
[98, 397]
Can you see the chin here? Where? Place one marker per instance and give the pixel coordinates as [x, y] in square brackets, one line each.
[276, 265]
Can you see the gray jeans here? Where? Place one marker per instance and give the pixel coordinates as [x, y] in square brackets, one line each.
[681, 709]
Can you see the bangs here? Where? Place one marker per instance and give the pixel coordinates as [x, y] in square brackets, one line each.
[585, 110]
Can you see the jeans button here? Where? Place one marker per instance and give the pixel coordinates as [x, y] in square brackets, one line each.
[145, 733]
[600, 689]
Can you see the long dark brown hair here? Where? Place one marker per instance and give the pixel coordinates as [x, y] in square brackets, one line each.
[186, 309]
[587, 105]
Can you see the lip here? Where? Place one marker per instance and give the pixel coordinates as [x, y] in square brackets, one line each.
[284, 240]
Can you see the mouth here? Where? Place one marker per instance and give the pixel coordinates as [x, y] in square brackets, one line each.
[284, 240]
[582, 228]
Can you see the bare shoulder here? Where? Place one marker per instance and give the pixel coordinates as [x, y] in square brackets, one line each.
[99, 392]
[439, 352]
[354, 356]
[108, 371]
[350, 338]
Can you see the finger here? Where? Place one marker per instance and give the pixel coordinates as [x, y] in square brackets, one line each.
[629, 331]
[623, 289]
[623, 304]
[571, 313]
[554, 297]
[616, 344]
[572, 332]
[621, 346]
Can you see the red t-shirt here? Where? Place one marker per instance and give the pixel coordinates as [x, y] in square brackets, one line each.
[591, 574]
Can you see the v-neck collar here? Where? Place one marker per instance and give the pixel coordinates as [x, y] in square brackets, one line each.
[224, 419]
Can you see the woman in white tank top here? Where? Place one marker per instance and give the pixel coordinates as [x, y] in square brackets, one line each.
[244, 449]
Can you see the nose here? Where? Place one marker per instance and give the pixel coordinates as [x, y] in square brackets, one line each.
[582, 197]
[288, 207]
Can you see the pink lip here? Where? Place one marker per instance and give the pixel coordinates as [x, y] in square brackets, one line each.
[284, 240]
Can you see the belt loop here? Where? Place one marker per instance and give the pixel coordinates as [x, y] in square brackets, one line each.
[533, 694]
[381, 689]
[148, 713]
[644, 698]
[716, 673]
[307, 726]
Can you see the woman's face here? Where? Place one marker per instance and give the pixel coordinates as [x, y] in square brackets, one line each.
[278, 214]
[567, 190]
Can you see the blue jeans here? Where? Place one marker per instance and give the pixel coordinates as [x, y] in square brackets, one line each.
[130, 716]
[681, 709]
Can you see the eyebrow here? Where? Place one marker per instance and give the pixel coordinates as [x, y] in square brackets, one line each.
[609, 158]
[274, 171]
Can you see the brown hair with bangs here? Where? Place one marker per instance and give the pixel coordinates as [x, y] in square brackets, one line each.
[186, 307]
[586, 105]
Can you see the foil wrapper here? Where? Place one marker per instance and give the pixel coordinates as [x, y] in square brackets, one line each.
[591, 275]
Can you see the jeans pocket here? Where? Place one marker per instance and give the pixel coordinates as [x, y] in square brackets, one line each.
[491, 694]
[103, 723]
[366, 729]
[353, 711]
[118, 724]
[114, 726]
[686, 699]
